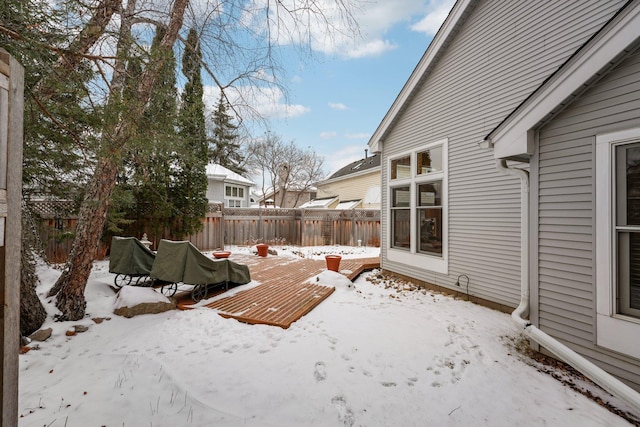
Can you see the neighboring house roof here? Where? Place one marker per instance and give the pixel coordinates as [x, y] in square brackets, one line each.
[607, 48]
[367, 164]
[270, 193]
[461, 10]
[348, 204]
[221, 173]
[319, 203]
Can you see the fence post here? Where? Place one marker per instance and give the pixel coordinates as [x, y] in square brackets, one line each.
[299, 226]
[354, 234]
[11, 135]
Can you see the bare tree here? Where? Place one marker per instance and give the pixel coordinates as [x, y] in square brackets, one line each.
[284, 167]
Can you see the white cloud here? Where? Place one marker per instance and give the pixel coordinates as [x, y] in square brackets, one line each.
[337, 106]
[438, 12]
[267, 102]
[361, 135]
[372, 48]
[328, 135]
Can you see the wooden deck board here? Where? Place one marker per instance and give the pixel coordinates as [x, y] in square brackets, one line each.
[285, 293]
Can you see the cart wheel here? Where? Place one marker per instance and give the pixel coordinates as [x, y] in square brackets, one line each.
[121, 280]
[199, 292]
[169, 289]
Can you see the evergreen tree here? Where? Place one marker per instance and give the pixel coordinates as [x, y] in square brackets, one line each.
[144, 183]
[224, 146]
[58, 120]
[190, 186]
[52, 152]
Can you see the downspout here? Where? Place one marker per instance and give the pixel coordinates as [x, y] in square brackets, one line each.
[519, 315]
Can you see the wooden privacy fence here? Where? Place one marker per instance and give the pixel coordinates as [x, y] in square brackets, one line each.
[231, 226]
[301, 227]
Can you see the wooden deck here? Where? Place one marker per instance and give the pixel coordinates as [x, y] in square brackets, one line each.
[283, 295]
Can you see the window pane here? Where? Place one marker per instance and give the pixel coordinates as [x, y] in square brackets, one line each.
[227, 191]
[634, 271]
[629, 273]
[401, 168]
[430, 194]
[401, 197]
[430, 230]
[401, 228]
[240, 192]
[429, 161]
[633, 185]
[234, 191]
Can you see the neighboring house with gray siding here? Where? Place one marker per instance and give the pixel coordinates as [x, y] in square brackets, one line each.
[549, 92]
[228, 187]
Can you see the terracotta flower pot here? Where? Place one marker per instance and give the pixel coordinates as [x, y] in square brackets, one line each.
[221, 254]
[333, 262]
[263, 249]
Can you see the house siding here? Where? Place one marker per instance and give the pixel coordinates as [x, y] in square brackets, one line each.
[566, 212]
[215, 191]
[502, 53]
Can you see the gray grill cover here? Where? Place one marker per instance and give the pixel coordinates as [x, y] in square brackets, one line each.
[182, 262]
[129, 256]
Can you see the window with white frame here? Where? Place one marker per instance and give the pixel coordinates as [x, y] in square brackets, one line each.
[618, 240]
[234, 196]
[417, 207]
[627, 227]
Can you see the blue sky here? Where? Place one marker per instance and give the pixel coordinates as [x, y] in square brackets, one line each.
[337, 98]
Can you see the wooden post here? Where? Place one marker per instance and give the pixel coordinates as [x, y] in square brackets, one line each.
[11, 114]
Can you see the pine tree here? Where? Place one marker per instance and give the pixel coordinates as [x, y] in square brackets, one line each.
[190, 186]
[224, 148]
[145, 181]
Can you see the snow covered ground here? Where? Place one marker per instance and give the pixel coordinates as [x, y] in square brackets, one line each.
[375, 354]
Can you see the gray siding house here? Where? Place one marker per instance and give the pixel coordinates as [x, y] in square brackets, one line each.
[511, 173]
[228, 187]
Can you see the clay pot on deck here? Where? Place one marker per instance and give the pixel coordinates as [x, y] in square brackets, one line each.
[333, 262]
[221, 254]
[263, 249]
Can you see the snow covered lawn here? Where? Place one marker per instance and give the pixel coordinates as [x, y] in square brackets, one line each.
[370, 355]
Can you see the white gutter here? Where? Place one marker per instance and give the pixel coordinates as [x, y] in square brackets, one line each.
[562, 352]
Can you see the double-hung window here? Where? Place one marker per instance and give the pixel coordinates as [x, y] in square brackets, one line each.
[618, 240]
[627, 227]
[234, 196]
[417, 207]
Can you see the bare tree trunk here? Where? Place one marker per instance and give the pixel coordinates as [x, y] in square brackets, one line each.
[70, 286]
[32, 312]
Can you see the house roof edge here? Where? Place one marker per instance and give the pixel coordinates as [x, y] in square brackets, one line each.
[440, 41]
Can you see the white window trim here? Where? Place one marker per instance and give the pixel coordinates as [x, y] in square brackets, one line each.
[242, 200]
[613, 330]
[412, 257]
